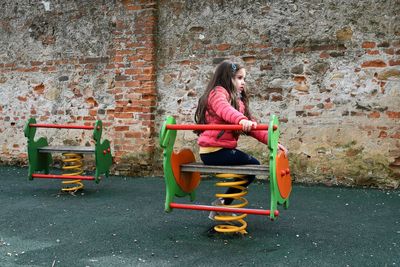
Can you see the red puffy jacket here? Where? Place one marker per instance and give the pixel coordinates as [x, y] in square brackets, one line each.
[220, 111]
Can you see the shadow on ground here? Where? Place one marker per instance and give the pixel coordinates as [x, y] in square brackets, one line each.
[121, 222]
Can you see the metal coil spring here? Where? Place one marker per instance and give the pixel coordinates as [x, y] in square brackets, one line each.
[74, 165]
[233, 223]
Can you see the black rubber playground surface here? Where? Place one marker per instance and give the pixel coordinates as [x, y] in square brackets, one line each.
[121, 222]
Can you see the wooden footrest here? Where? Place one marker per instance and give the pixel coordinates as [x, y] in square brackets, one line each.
[67, 149]
[236, 169]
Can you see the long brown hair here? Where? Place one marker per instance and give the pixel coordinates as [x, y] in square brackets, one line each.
[223, 76]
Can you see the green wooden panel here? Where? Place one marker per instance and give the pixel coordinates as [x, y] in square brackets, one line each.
[102, 152]
[36, 161]
[167, 141]
[273, 138]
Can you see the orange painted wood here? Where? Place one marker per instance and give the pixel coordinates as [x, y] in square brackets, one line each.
[187, 181]
[283, 176]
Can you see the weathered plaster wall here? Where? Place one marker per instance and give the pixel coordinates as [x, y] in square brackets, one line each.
[329, 70]
[75, 62]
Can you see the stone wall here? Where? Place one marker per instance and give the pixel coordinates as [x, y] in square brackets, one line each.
[330, 70]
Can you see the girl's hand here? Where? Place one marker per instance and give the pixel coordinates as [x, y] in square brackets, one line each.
[281, 147]
[247, 125]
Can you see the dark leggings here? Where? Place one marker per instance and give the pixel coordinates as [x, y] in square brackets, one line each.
[227, 156]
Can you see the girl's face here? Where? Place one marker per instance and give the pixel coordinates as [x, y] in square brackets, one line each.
[239, 80]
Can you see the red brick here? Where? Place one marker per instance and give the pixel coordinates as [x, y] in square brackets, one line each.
[48, 69]
[185, 62]
[378, 63]
[374, 115]
[133, 71]
[133, 109]
[89, 118]
[249, 59]
[382, 128]
[299, 79]
[393, 114]
[123, 115]
[133, 135]
[324, 55]
[33, 69]
[145, 77]
[308, 107]
[91, 101]
[9, 65]
[121, 128]
[373, 52]
[389, 51]
[39, 89]
[394, 62]
[223, 47]
[91, 60]
[149, 70]
[395, 135]
[147, 116]
[22, 98]
[383, 134]
[368, 45]
[121, 103]
[36, 63]
[132, 84]
[123, 52]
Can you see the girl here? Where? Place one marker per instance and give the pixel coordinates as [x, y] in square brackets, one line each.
[225, 101]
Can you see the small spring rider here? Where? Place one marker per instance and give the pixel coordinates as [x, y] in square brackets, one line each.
[182, 176]
[40, 159]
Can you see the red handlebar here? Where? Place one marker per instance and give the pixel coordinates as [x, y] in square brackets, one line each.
[203, 127]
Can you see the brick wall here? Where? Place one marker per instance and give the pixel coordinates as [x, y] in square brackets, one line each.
[330, 71]
[134, 89]
[72, 62]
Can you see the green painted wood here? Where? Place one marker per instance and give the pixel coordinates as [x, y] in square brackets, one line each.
[273, 138]
[37, 161]
[167, 141]
[103, 156]
[39, 152]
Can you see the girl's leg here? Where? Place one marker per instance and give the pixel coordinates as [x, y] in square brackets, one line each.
[230, 157]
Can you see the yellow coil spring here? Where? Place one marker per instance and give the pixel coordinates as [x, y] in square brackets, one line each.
[234, 224]
[73, 164]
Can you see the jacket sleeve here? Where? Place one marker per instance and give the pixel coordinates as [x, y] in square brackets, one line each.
[261, 136]
[219, 103]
